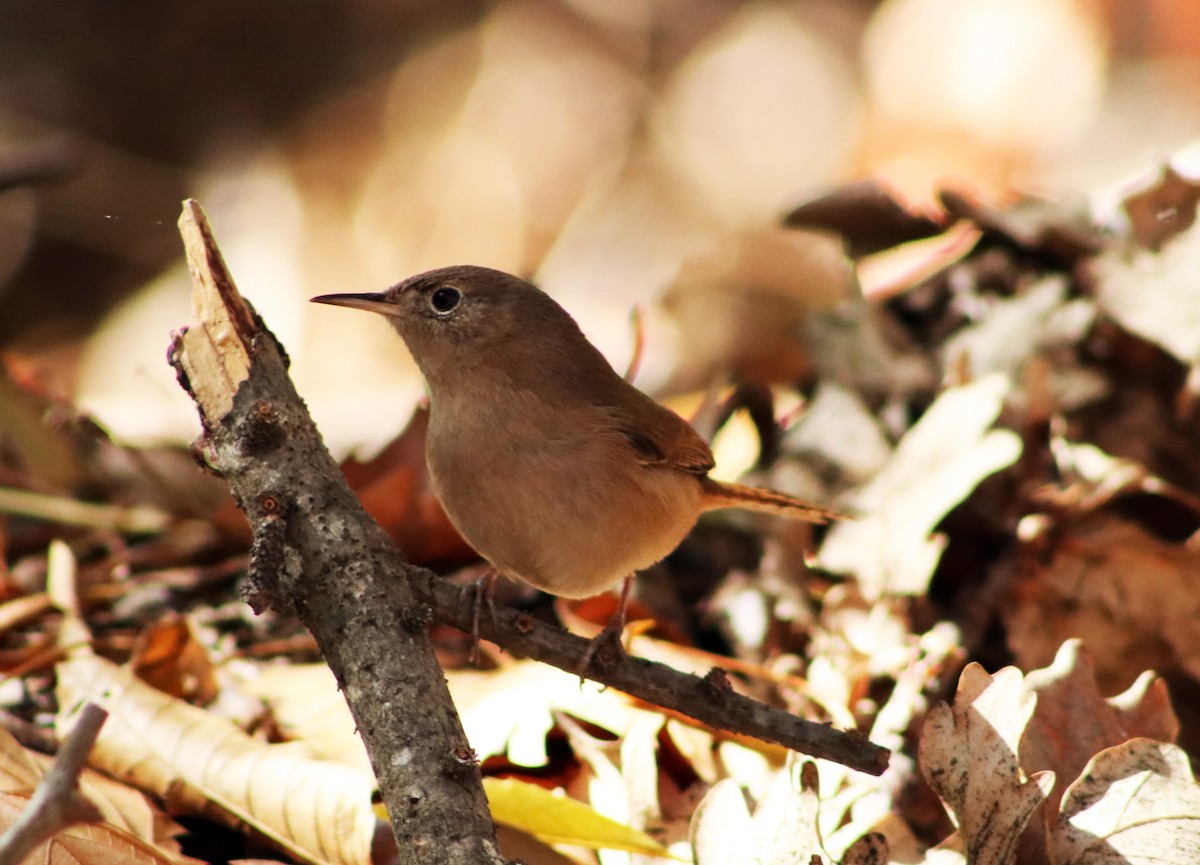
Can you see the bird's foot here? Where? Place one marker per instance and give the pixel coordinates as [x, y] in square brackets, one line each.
[485, 593]
[607, 649]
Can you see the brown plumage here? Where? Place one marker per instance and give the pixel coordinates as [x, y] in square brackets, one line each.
[550, 465]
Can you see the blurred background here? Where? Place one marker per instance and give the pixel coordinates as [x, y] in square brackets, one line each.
[620, 152]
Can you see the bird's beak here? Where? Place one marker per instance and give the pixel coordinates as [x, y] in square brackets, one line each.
[372, 302]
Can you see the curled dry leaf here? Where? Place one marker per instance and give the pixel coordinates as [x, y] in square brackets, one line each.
[1136, 802]
[969, 755]
[867, 214]
[319, 811]
[168, 656]
[891, 548]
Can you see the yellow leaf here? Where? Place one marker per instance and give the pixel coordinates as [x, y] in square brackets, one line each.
[559, 819]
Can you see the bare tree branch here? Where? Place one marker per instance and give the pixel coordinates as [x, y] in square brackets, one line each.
[317, 553]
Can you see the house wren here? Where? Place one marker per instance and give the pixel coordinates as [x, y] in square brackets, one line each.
[551, 465]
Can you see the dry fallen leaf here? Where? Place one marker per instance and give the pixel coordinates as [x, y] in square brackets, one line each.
[1129, 591]
[721, 825]
[319, 811]
[307, 705]
[870, 849]
[969, 755]
[890, 547]
[867, 214]
[134, 831]
[1137, 802]
[506, 711]
[1072, 722]
[1153, 294]
[838, 425]
[558, 819]
[395, 488]
[1016, 331]
[785, 825]
[784, 829]
[90, 844]
[169, 657]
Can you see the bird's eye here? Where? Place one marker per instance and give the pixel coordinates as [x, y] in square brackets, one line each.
[445, 299]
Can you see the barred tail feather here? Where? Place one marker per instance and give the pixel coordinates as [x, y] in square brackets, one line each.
[722, 495]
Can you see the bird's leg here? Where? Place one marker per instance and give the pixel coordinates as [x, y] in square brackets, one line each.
[485, 592]
[606, 646]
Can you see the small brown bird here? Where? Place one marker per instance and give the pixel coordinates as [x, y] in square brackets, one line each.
[551, 465]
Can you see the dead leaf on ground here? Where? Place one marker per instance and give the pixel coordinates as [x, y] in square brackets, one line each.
[892, 272]
[1131, 594]
[318, 810]
[91, 844]
[1072, 722]
[1060, 229]
[720, 825]
[169, 657]
[891, 547]
[1136, 802]
[839, 426]
[395, 489]
[558, 819]
[784, 829]
[504, 712]
[134, 831]
[1153, 294]
[867, 214]
[1015, 331]
[969, 755]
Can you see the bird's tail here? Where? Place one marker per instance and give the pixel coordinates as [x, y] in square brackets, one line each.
[722, 495]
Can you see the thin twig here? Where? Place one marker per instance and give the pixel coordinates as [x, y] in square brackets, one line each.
[57, 803]
[139, 519]
[710, 700]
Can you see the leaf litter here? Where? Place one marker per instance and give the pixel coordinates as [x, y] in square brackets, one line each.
[1013, 429]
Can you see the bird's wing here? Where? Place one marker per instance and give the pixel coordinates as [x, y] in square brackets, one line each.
[662, 438]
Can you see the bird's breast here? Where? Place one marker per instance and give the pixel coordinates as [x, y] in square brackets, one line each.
[556, 497]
